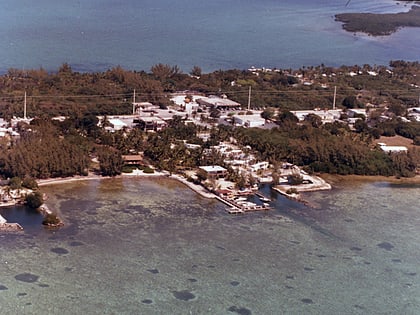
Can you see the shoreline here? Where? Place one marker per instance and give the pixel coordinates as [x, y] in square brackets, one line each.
[63, 180]
[335, 179]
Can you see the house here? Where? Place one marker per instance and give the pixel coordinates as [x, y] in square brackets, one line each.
[186, 101]
[151, 123]
[214, 171]
[259, 166]
[135, 159]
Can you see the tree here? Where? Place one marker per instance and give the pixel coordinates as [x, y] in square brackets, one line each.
[267, 114]
[110, 161]
[286, 116]
[29, 182]
[15, 183]
[314, 120]
[295, 179]
[397, 108]
[350, 102]
[196, 71]
[34, 200]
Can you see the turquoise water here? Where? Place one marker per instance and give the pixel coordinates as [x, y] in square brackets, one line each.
[95, 35]
[140, 246]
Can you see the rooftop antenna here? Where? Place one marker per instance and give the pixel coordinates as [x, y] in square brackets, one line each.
[249, 98]
[24, 107]
[335, 96]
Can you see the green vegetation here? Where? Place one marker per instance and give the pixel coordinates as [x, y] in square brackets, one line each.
[51, 220]
[148, 170]
[60, 149]
[379, 24]
[82, 96]
[34, 200]
[292, 191]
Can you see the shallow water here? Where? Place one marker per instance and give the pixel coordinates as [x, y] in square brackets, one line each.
[139, 246]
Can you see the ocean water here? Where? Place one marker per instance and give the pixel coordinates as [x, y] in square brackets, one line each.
[95, 35]
[143, 246]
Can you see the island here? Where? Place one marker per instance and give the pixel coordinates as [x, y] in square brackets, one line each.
[224, 134]
[379, 24]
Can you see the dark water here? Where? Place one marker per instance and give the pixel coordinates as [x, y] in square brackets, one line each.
[27, 218]
[139, 246]
[95, 35]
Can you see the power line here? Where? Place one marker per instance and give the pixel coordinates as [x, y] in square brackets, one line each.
[244, 92]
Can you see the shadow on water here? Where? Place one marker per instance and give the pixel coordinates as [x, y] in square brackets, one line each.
[294, 210]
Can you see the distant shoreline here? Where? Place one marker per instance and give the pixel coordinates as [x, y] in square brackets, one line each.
[335, 179]
[379, 24]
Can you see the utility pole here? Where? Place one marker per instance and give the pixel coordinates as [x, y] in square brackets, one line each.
[134, 102]
[335, 96]
[249, 98]
[24, 107]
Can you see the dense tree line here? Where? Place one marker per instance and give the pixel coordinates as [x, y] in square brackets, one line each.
[42, 153]
[67, 92]
[331, 148]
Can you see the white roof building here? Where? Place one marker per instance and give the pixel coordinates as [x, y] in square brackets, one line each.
[217, 102]
[326, 115]
[249, 121]
[392, 148]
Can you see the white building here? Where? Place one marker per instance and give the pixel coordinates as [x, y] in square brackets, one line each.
[392, 148]
[217, 102]
[259, 166]
[330, 115]
[249, 121]
[116, 124]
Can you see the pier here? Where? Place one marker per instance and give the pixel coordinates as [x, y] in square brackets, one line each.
[9, 227]
[240, 207]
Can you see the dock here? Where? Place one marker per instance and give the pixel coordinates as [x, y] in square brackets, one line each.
[241, 207]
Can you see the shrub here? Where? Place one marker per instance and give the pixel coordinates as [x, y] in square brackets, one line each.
[51, 219]
[295, 179]
[128, 169]
[148, 170]
[34, 200]
[30, 183]
[291, 191]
